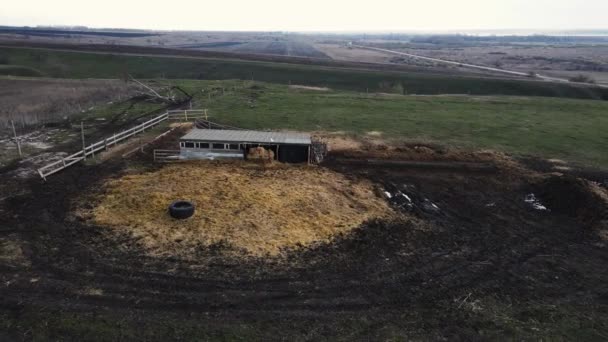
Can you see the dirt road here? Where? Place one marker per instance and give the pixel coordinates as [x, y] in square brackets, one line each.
[473, 66]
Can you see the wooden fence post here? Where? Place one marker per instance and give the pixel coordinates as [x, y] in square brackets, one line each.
[84, 147]
[16, 140]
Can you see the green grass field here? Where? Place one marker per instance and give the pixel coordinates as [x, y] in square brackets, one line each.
[543, 125]
[18, 70]
[574, 130]
[62, 64]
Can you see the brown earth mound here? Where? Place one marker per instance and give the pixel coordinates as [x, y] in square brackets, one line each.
[574, 197]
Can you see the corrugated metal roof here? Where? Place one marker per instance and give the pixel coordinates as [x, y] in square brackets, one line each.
[258, 137]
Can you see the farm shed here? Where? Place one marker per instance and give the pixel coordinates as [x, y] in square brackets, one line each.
[288, 147]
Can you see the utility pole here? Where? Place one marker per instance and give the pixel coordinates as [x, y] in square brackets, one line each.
[84, 146]
[16, 140]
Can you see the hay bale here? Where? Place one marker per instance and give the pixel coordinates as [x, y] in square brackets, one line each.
[260, 153]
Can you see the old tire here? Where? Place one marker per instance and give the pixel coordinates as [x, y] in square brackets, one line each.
[181, 209]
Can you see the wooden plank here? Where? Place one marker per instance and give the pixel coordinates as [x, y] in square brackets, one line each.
[46, 174]
[42, 175]
[16, 139]
[166, 155]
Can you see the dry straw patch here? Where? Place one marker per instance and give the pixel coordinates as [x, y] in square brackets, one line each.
[257, 209]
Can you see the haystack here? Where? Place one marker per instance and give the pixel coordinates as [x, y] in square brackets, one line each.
[255, 210]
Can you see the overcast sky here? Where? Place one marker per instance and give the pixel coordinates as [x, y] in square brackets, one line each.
[311, 15]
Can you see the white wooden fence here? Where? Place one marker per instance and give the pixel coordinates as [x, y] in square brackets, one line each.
[90, 150]
[166, 156]
[187, 115]
[177, 115]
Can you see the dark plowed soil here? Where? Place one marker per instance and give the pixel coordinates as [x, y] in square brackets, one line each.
[571, 196]
[473, 261]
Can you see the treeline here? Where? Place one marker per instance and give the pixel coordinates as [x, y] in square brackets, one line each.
[34, 31]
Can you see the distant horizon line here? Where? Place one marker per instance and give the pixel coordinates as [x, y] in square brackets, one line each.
[509, 31]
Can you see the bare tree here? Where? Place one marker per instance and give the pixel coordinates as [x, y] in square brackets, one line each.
[173, 95]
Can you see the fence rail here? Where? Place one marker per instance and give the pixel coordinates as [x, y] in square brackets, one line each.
[90, 150]
[206, 124]
[188, 114]
[166, 156]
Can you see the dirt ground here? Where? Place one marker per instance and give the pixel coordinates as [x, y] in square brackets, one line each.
[340, 52]
[475, 257]
[558, 61]
[271, 43]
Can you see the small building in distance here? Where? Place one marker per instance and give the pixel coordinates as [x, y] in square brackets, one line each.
[288, 147]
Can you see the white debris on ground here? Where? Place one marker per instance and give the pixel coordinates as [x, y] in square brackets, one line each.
[31, 143]
[534, 202]
[38, 140]
[411, 200]
[35, 136]
[40, 145]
